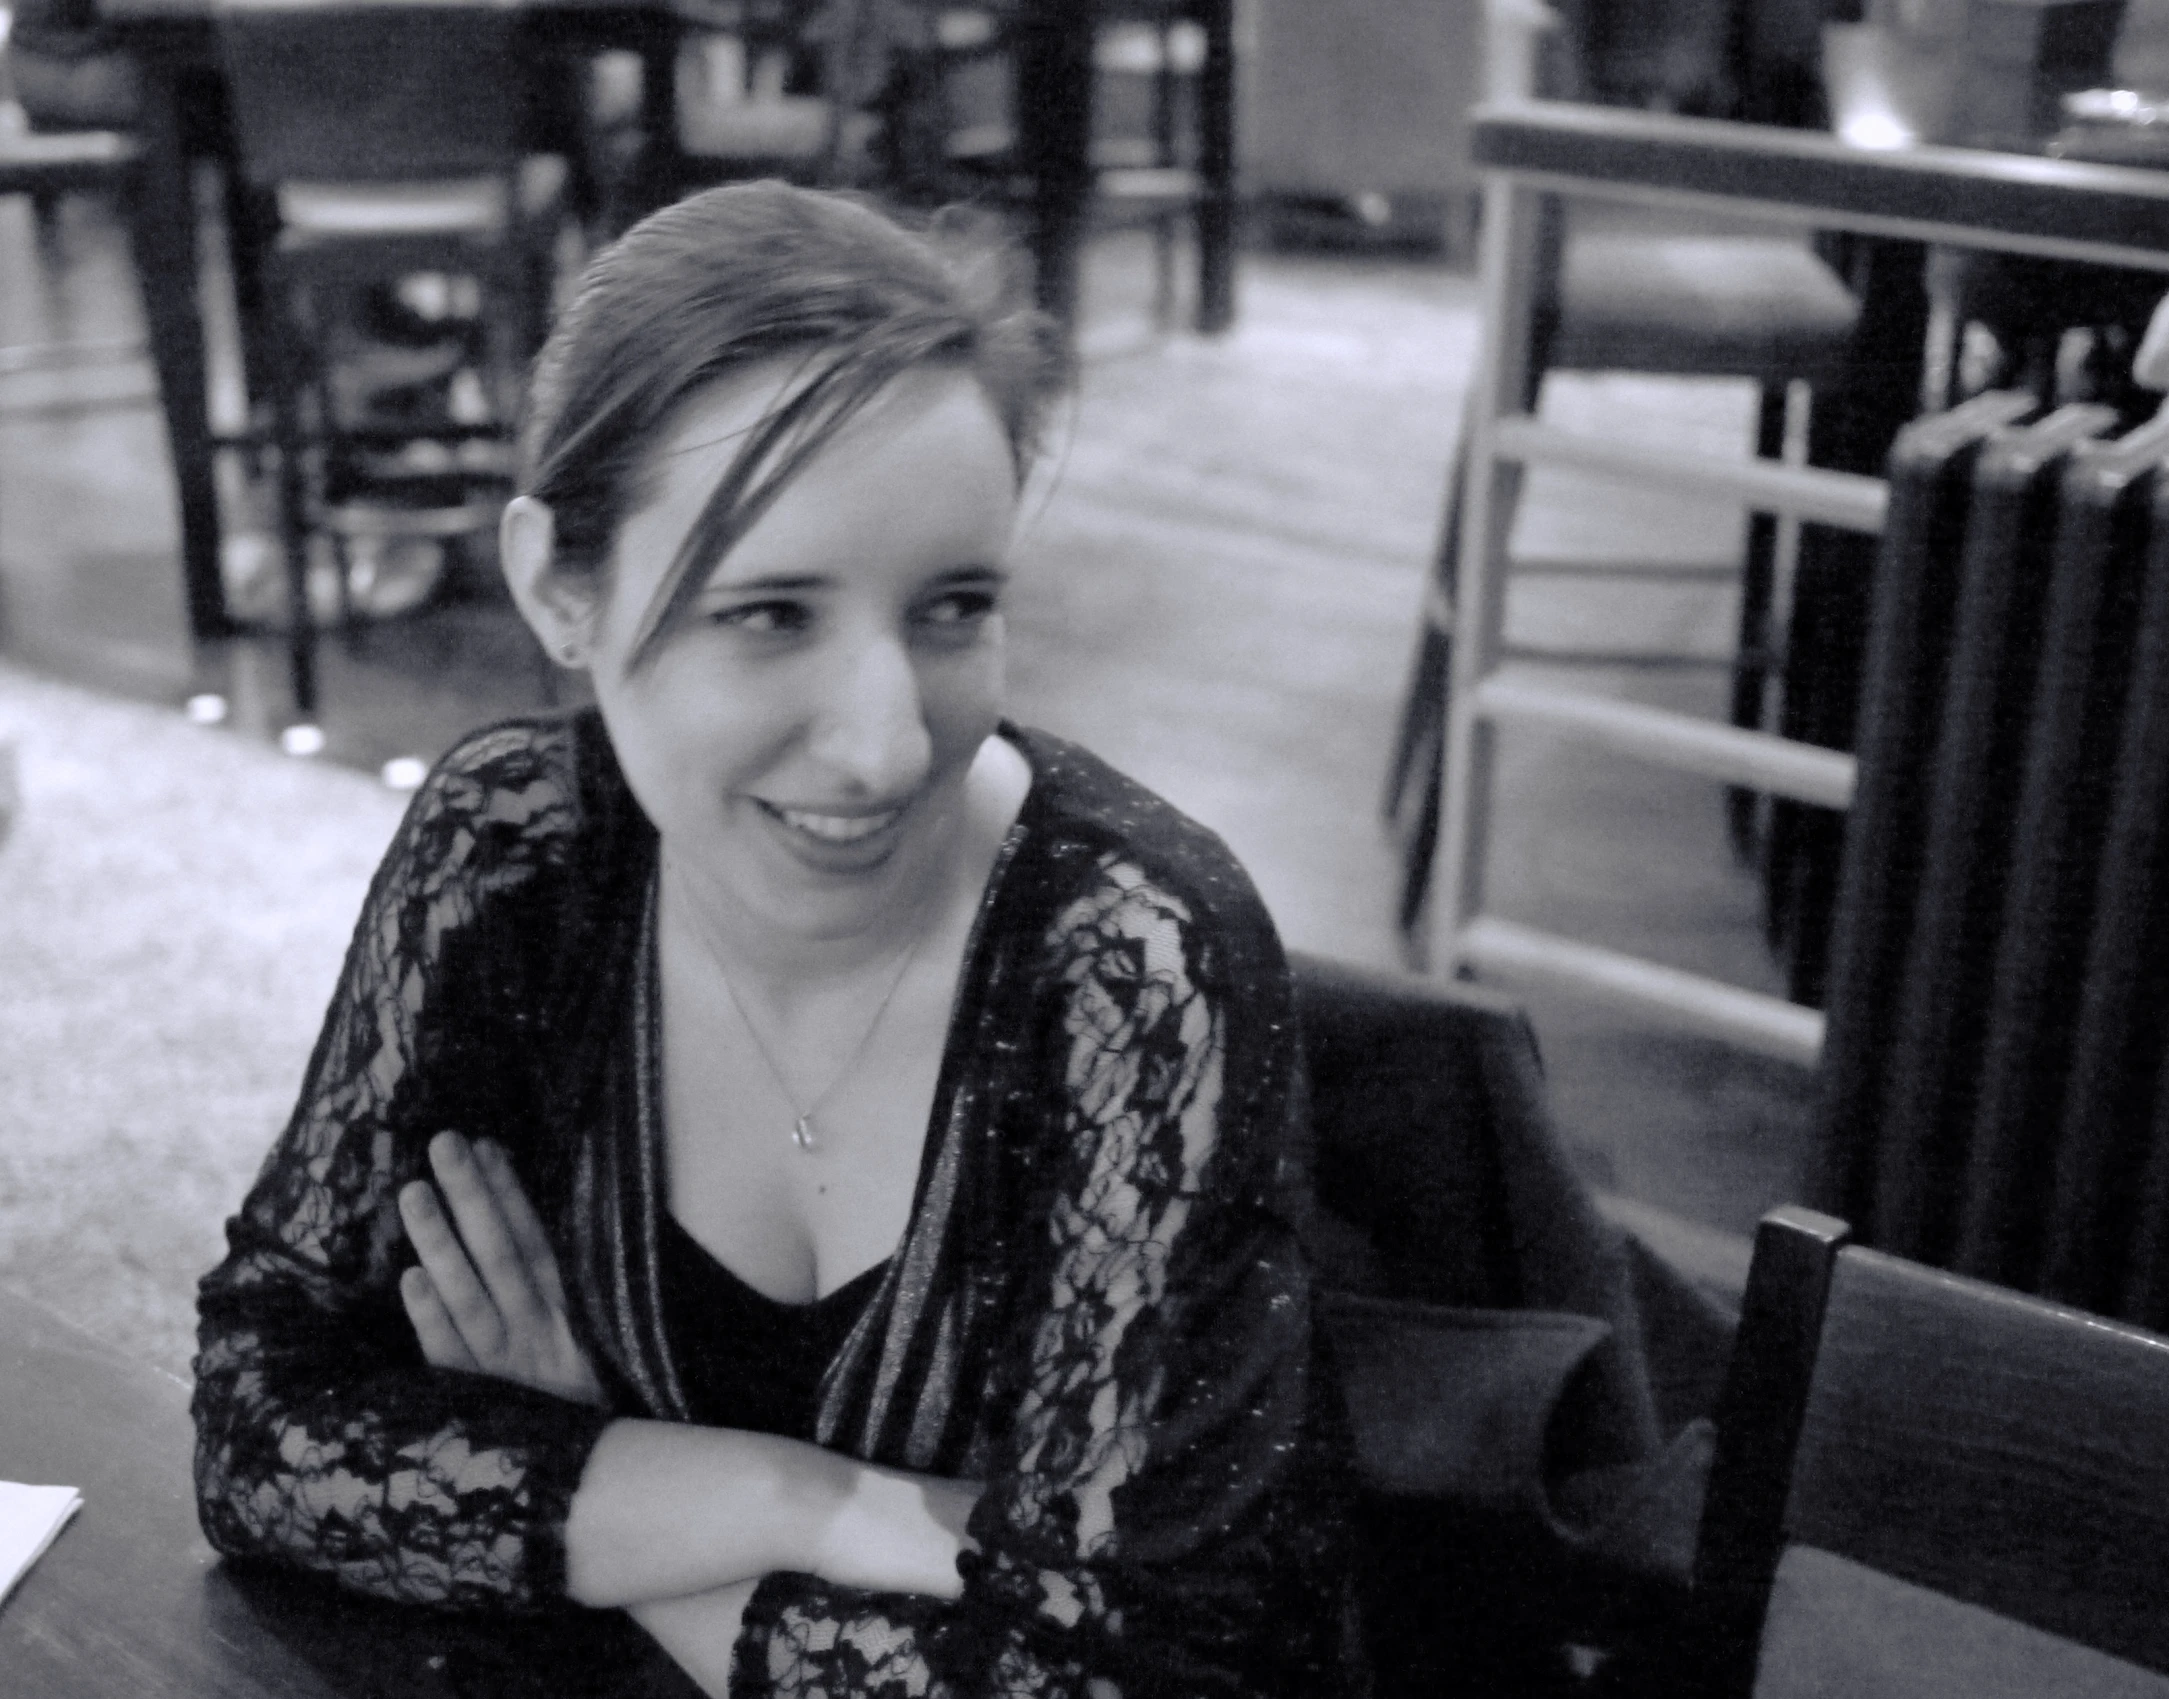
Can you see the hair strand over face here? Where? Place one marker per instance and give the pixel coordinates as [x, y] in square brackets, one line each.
[727, 280]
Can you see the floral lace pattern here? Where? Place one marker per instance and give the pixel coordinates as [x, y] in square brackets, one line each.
[1098, 1309]
[1148, 1525]
[322, 1437]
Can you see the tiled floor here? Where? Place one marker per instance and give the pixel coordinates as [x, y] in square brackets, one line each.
[1222, 567]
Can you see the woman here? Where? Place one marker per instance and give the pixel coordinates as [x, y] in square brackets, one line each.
[791, 1155]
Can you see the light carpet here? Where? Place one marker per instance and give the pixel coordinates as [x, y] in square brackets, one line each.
[174, 905]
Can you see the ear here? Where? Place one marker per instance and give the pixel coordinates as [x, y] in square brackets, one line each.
[559, 607]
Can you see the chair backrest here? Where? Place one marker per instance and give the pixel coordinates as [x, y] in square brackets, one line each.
[1969, 1486]
[373, 93]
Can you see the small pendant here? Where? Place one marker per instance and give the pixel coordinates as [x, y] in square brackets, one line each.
[802, 1132]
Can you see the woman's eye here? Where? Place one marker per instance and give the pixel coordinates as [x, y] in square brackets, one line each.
[960, 607]
[763, 619]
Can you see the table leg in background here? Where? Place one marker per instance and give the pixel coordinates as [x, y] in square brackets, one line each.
[164, 220]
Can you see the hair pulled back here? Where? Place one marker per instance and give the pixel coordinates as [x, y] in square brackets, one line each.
[728, 279]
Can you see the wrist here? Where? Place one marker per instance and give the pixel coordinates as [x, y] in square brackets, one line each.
[822, 1509]
[665, 1509]
[893, 1532]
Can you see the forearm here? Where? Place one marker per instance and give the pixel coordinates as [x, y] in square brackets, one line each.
[667, 1510]
[405, 1484]
[700, 1633]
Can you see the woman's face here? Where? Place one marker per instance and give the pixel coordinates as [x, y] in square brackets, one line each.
[801, 739]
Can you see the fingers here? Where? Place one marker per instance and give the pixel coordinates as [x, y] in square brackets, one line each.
[528, 1233]
[486, 1232]
[433, 1325]
[451, 1272]
[488, 1294]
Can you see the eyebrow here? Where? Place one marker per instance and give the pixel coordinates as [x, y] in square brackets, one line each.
[979, 574]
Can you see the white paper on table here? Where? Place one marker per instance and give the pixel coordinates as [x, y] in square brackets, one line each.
[30, 1519]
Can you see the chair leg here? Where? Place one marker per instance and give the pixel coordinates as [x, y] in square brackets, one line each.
[1164, 154]
[1758, 585]
[1417, 771]
[1423, 707]
[1423, 748]
[286, 361]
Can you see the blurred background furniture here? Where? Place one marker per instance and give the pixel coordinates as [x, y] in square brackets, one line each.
[45, 167]
[778, 88]
[1961, 197]
[1074, 115]
[1645, 291]
[1930, 1487]
[1062, 117]
[1354, 122]
[1034, 159]
[171, 116]
[387, 139]
[183, 117]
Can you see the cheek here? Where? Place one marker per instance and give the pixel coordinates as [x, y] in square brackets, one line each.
[679, 729]
[962, 697]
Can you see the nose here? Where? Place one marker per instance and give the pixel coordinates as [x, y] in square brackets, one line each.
[872, 729]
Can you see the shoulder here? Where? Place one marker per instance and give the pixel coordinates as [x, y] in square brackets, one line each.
[1172, 1003]
[1134, 886]
[507, 802]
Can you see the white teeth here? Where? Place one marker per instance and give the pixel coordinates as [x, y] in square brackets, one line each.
[837, 828]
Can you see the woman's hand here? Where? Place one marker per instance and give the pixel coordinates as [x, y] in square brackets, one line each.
[669, 1509]
[894, 1532]
[487, 1297]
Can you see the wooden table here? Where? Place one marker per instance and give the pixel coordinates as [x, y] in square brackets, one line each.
[130, 1601]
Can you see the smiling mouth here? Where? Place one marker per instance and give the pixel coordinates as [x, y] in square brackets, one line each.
[835, 828]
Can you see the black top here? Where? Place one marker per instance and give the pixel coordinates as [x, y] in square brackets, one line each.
[747, 1360]
[1097, 1308]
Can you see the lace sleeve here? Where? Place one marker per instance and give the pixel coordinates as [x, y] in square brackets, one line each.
[322, 1437]
[1154, 1521]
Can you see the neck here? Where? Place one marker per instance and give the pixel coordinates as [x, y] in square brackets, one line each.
[752, 947]
[787, 964]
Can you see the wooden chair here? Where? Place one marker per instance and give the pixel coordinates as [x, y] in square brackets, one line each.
[1696, 297]
[1072, 116]
[1926, 1486]
[741, 112]
[46, 166]
[388, 137]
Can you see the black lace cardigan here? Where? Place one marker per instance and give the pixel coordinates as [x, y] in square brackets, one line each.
[1098, 1306]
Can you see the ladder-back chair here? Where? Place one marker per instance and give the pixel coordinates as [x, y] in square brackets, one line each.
[388, 136]
[1927, 1487]
[1652, 293]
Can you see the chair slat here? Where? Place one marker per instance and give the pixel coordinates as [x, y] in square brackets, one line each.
[2007, 1452]
[1758, 1426]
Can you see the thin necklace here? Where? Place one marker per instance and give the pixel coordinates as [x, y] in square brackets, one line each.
[802, 1125]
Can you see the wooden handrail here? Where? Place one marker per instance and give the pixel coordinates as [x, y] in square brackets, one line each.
[2117, 214]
